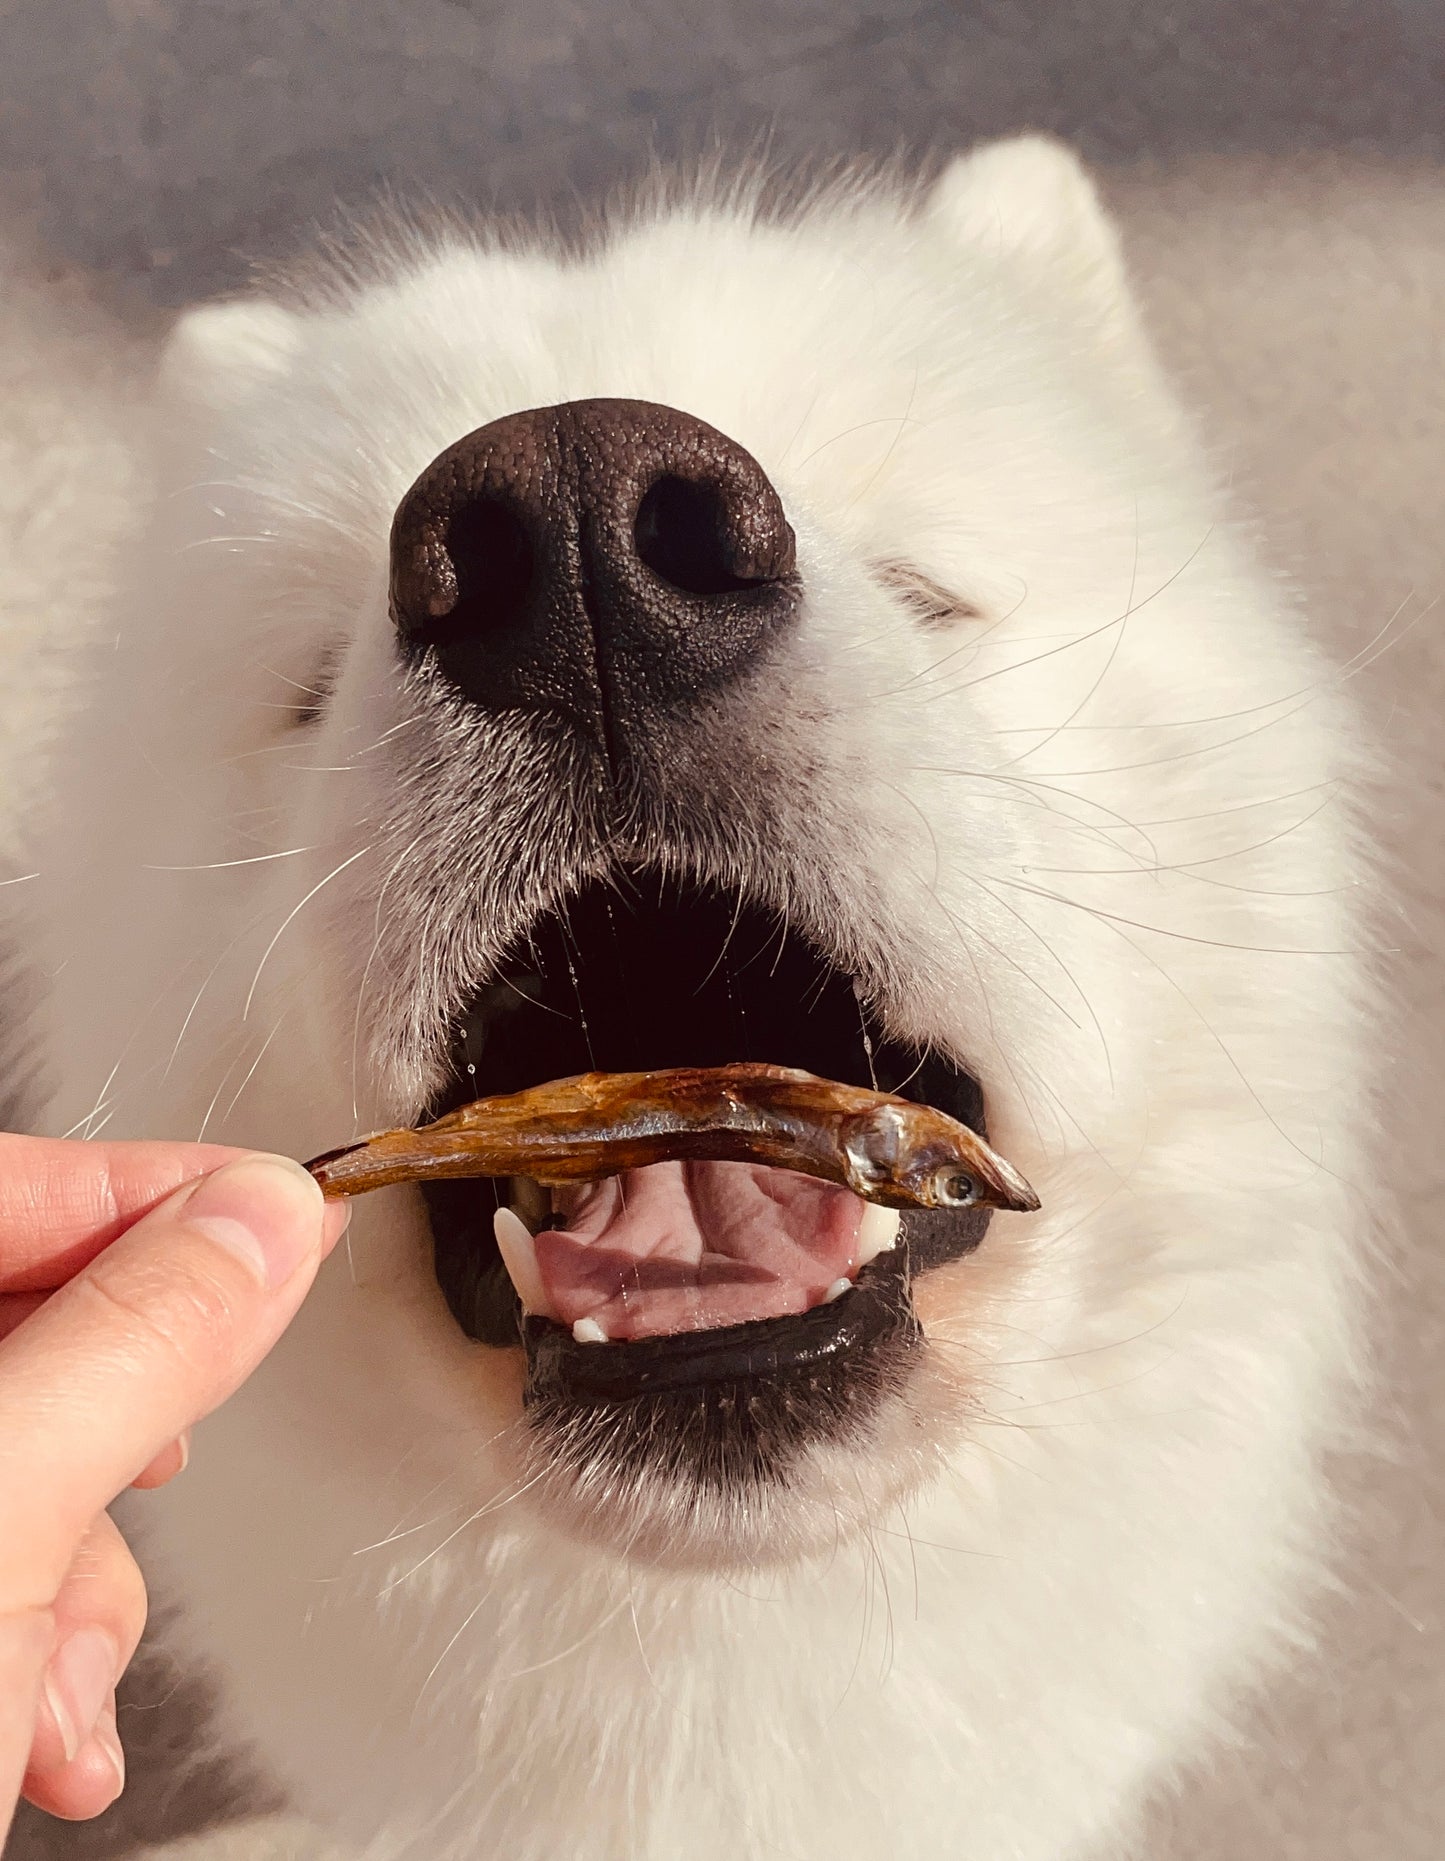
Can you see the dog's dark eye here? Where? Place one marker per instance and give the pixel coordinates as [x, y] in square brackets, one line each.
[308, 697]
[929, 601]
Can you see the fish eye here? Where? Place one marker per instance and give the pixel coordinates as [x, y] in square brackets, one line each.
[954, 1188]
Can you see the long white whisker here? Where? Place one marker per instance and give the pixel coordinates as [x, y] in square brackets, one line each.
[231, 1066]
[83, 1122]
[1078, 640]
[593, 1630]
[100, 1097]
[216, 865]
[1160, 930]
[334, 873]
[1108, 664]
[251, 1071]
[492, 1505]
[467, 1621]
[1192, 865]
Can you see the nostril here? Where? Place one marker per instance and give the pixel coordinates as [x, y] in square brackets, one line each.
[461, 574]
[683, 535]
[491, 560]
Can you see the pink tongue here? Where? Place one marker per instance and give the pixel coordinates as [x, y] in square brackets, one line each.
[690, 1246]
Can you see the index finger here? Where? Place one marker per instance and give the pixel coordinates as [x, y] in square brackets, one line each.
[62, 1202]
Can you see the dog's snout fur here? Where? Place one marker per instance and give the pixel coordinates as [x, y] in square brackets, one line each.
[604, 561]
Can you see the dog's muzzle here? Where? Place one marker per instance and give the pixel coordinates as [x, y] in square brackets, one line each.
[606, 571]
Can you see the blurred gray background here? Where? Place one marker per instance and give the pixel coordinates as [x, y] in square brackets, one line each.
[1277, 169]
[163, 139]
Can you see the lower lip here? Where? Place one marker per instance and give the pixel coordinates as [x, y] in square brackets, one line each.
[877, 1305]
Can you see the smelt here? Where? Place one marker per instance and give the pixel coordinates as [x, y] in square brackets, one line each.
[883, 1148]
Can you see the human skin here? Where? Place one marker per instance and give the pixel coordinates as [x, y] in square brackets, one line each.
[140, 1284]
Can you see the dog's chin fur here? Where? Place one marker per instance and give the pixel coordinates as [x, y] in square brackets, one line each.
[831, 1495]
[675, 1524]
[1047, 764]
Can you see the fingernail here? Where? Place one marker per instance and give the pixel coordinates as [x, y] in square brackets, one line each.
[82, 1672]
[106, 1739]
[334, 1225]
[179, 1453]
[264, 1210]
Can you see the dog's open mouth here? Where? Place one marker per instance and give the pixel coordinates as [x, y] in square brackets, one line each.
[683, 1272]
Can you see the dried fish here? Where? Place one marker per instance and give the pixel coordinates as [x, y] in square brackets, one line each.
[885, 1149]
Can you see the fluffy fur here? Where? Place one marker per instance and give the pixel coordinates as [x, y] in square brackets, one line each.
[1049, 765]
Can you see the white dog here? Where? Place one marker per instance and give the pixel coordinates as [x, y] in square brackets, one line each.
[810, 637]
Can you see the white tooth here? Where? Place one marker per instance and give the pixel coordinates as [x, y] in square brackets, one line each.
[877, 1231]
[519, 1256]
[836, 1290]
[588, 1331]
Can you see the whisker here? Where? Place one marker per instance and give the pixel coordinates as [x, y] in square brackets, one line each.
[1108, 665]
[100, 1098]
[860, 427]
[1050, 788]
[904, 420]
[216, 865]
[1093, 634]
[251, 1072]
[401, 1530]
[1159, 930]
[1192, 865]
[82, 1121]
[1196, 749]
[593, 1631]
[467, 1621]
[308, 691]
[334, 873]
[1243, 807]
[482, 1511]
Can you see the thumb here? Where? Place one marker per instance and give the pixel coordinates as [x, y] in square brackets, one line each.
[158, 1330]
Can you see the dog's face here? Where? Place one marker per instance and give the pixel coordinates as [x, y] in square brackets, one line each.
[740, 640]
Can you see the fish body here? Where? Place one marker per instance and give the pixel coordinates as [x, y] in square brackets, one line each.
[885, 1149]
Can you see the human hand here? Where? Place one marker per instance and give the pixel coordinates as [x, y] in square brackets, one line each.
[140, 1284]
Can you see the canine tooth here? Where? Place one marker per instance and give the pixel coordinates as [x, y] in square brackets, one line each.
[519, 1257]
[836, 1290]
[877, 1231]
[588, 1331]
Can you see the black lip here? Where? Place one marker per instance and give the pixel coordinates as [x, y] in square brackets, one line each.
[803, 1346]
[640, 972]
[729, 1412]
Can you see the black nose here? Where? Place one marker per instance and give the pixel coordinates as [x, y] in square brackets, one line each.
[603, 561]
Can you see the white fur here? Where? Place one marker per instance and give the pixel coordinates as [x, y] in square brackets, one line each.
[1093, 832]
